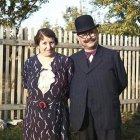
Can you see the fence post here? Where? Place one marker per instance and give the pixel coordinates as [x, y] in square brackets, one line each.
[1, 68]
[137, 70]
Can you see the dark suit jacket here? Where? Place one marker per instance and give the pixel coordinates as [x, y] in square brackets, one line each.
[102, 84]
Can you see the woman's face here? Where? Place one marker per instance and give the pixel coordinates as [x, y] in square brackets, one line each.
[47, 46]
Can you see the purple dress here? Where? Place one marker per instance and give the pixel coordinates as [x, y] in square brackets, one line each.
[46, 112]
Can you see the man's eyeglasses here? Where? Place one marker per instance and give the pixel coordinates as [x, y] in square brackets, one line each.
[86, 34]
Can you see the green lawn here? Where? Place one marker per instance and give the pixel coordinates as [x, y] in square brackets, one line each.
[11, 133]
[131, 126]
[130, 129]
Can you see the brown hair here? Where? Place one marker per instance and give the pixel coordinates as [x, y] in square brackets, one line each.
[44, 32]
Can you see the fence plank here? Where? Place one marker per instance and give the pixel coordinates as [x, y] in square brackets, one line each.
[133, 75]
[26, 56]
[8, 60]
[12, 107]
[119, 41]
[70, 37]
[137, 70]
[1, 70]
[129, 74]
[13, 68]
[19, 80]
[18, 77]
[60, 35]
[22, 48]
[65, 37]
[126, 68]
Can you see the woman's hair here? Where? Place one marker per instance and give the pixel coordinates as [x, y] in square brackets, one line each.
[44, 32]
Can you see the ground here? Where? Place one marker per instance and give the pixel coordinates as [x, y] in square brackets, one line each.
[130, 129]
[131, 126]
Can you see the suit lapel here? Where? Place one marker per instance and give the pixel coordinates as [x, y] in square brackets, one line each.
[97, 59]
[82, 61]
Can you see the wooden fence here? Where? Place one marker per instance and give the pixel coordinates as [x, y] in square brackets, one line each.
[15, 50]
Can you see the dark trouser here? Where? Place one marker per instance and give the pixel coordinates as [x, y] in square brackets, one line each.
[87, 131]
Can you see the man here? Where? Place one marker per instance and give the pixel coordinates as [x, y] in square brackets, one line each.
[98, 80]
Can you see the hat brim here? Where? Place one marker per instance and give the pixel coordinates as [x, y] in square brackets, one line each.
[86, 29]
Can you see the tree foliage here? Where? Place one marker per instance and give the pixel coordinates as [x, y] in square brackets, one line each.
[13, 12]
[71, 14]
[126, 15]
[46, 23]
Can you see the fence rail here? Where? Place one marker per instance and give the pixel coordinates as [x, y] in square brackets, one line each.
[14, 51]
[30, 43]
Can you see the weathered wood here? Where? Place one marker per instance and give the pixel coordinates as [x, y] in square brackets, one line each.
[22, 106]
[119, 42]
[18, 50]
[60, 35]
[129, 75]
[19, 78]
[1, 68]
[133, 91]
[129, 101]
[19, 72]
[11, 43]
[16, 42]
[137, 70]
[70, 37]
[8, 59]
[26, 56]
[65, 37]
[126, 68]
[12, 107]
[12, 84]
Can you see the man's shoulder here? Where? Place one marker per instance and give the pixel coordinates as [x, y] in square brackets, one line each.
[76, 54]
[107, 49]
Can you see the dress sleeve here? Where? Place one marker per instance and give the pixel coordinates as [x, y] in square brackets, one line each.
[70, 70]
[25, 75]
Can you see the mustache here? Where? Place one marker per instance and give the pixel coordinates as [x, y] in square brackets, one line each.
[90, 39]
[52, 49]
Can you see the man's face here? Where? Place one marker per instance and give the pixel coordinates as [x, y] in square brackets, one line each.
[88, 39]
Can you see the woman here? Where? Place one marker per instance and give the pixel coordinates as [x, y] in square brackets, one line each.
[46, 77]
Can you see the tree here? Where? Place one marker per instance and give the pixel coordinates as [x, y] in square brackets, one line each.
[125, 15]
[46, 23]
[13, 12]
[71, 14]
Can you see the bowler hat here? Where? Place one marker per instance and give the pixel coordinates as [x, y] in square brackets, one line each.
[84, 23]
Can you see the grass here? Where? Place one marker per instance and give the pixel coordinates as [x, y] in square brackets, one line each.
[130, 129]
[131, 126]
[12, 133]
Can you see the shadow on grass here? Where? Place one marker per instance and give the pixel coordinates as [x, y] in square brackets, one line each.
[12, 133]
[131, 126]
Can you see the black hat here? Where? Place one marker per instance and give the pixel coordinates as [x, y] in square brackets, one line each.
[84, 23]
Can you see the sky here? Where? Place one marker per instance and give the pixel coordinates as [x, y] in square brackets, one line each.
[51, 11]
